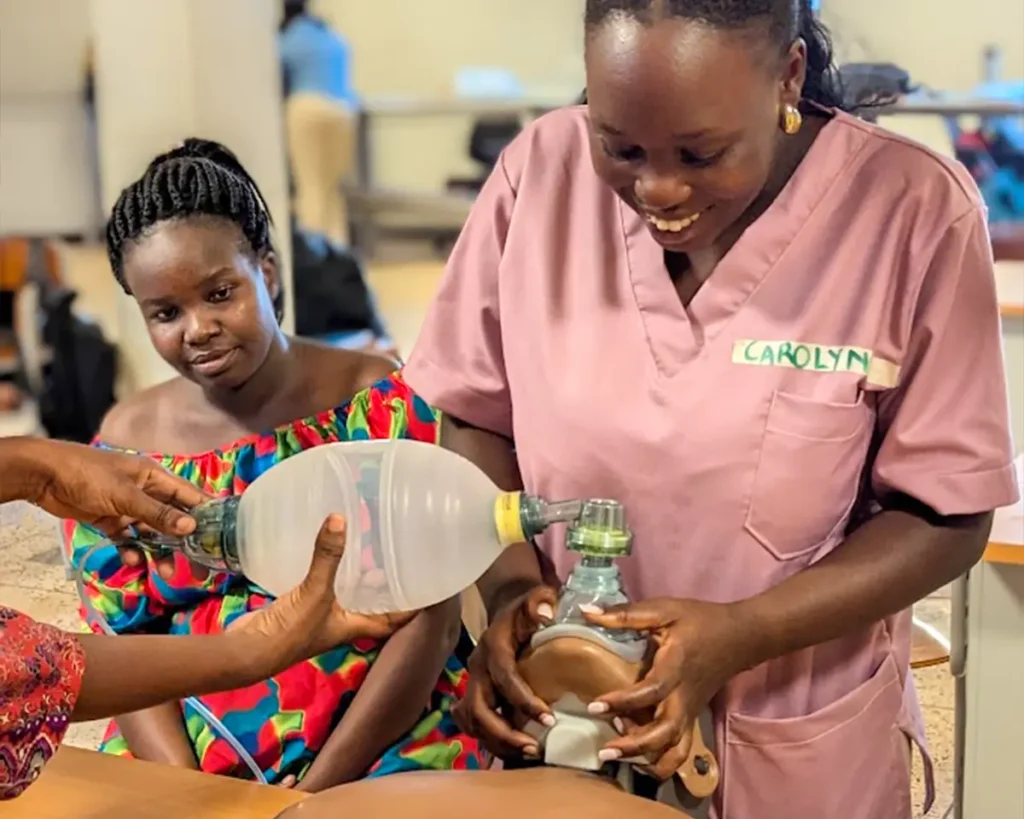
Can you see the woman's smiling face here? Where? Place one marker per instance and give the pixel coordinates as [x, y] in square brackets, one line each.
[685, 121]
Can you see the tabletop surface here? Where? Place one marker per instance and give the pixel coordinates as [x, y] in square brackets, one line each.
[453, 104]
[1010, 283]
[1006, 542]
[80, 784]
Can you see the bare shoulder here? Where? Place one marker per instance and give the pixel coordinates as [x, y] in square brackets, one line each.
[135, 422]
[343, 373]
[374, 368]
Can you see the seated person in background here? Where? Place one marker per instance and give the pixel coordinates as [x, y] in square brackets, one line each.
[191, 241]
[320, 114]
[332, 301]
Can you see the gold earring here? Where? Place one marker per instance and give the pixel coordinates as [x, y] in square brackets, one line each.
[792, 119]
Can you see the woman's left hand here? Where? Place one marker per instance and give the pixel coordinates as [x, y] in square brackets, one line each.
[109, 490]
[698, 648]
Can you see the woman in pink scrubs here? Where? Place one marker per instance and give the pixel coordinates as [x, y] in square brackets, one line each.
[769, 329]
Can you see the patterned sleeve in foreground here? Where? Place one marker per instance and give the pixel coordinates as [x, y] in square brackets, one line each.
[41, 670]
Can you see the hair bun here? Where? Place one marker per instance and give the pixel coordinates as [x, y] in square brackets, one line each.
[196, 148]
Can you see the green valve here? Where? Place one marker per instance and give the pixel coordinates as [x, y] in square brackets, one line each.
[600, 531]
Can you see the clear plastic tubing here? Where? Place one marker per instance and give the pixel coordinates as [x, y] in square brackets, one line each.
[93, 616]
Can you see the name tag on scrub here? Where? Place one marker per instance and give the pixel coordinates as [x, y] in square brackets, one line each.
[823, 358]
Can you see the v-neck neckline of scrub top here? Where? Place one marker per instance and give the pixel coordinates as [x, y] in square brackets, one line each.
[677, 335]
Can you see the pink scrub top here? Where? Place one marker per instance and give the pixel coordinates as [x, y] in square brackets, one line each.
[846, 347]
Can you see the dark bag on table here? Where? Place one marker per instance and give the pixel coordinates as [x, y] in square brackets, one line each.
[870, 85]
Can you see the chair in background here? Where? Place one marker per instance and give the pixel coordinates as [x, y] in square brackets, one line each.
[22, 359]
[491, 133]
[26, 266]
[60, 362]
[489, 137]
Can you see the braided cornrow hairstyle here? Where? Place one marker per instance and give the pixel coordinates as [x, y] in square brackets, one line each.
[786, 21]
[198, 178]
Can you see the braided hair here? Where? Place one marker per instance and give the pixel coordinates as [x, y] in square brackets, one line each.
[787, 20]
[198, 178]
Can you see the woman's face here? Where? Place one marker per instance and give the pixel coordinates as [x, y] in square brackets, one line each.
[207, 302]
[685, 121]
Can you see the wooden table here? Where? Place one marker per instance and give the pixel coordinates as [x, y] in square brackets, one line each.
[1006, 541]
[926, 650]
[81, 784]
[439, 213]
[953, 105]
[1007, 241]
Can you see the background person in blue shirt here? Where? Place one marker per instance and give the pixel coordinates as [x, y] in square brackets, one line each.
[320, 112]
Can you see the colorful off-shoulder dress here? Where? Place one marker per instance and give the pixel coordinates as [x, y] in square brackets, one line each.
[283, 722]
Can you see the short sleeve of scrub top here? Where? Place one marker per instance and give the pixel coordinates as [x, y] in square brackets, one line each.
[945, 427]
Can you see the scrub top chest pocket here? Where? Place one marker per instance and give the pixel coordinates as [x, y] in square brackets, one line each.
[808, 472]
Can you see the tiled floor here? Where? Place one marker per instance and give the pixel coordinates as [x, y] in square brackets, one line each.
[32, 576]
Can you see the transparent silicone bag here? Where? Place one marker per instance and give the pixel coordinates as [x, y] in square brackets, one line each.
[421, 524]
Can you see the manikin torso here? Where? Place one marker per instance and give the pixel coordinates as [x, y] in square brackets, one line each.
[538, 793]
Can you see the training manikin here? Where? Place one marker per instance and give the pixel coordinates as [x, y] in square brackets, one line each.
[568, 664]
[571, 662]
[537, 793]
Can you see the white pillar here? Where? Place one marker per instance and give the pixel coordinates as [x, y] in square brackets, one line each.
[171, 69]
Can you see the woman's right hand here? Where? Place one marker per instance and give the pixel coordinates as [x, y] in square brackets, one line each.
[308, 621]
[494, 679]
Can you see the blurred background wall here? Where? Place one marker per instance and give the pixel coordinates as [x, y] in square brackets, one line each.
[44, 138]
[407, 48]
[167, 69]
[402, 51]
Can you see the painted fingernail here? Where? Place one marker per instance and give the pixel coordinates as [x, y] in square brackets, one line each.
[597, 708]
[590, 608]
[545, 612]
[547, 720]
[336, 524]
[609, 754]
[618, 725]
